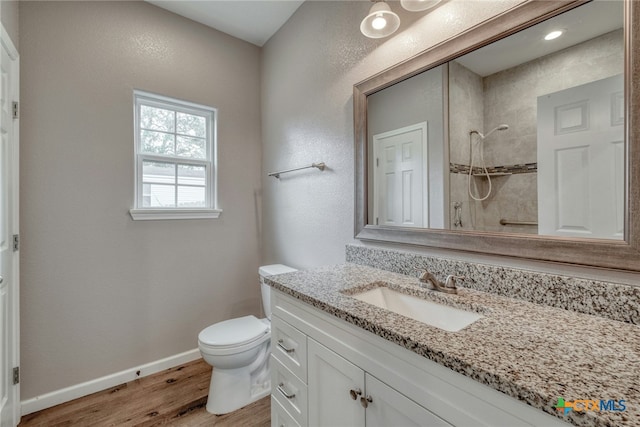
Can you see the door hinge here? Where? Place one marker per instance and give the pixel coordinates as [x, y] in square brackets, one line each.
[16, 375]
[16, 242]
[377, 161]
[16, 109]
[377, 221]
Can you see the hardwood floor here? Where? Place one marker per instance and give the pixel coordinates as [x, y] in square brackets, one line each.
[175, 397]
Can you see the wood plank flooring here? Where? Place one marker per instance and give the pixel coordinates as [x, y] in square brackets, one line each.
[175, 397]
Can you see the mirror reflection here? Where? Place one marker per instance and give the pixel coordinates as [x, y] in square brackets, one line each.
[525, 135]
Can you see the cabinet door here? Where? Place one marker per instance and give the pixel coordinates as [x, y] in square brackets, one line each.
[330, 381]
[390, 408]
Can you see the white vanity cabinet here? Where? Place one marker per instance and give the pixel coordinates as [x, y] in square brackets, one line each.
[328, 372]
[342, 394]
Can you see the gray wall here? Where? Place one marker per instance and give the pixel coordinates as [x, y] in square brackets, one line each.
[101, 292]
[412, 101]
[9, 18]
[309, 69]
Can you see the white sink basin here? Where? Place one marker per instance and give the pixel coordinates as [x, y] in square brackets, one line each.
[433, 314]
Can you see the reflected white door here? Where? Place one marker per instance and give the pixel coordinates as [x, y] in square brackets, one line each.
[581, 161]
[400, 177]
[9, 393]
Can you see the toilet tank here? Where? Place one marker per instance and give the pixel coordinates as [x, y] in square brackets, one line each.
[265, 271]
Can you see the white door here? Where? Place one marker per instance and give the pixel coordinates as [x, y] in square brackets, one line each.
[400, 177]
[581, 161]
[9, 392]
[331, 379]
[390, 408]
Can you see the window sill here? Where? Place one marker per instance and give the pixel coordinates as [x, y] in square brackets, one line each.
[156, 214]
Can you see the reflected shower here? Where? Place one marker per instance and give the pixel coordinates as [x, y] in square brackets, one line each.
[484, 166]
[499, 127]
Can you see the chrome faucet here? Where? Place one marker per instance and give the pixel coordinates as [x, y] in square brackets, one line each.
[449, 286]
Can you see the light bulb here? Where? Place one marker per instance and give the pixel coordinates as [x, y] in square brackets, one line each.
[379, 22]
[553, 35]
[419, 5]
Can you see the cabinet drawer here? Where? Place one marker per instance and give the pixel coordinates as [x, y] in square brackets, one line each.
[288, 391]
[290, 346]
[280, 417]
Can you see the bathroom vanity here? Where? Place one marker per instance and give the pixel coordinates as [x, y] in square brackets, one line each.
[337, 360]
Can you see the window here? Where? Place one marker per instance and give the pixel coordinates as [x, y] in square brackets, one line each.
[175, 159]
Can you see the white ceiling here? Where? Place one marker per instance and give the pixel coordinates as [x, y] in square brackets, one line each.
[581, 24]
[254, 21]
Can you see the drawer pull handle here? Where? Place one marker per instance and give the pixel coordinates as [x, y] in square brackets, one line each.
[282, 346]
[284, 393]
[364, 401]
[355, 393]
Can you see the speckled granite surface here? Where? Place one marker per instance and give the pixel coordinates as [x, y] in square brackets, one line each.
[614, 301]
[532, 352]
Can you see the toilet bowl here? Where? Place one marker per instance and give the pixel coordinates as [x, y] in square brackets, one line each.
[239, 349]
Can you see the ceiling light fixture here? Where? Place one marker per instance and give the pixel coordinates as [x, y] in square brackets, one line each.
[553, 35]
[380, 22]
[418, 5]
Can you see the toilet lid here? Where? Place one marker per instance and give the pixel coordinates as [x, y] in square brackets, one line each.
[233, 332]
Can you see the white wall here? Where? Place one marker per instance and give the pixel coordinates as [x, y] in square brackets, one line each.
[101, 292]
[309, 69]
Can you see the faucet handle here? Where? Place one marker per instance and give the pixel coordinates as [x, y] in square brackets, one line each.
[425, 275]
[450, 281]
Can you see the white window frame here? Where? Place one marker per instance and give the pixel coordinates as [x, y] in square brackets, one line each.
[211, 210]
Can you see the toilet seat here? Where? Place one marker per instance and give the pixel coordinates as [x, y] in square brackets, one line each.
[233, 335]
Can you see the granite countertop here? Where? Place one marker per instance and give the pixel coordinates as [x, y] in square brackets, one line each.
[531, 352]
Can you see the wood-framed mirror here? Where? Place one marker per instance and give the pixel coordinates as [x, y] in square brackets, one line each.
[440, 226]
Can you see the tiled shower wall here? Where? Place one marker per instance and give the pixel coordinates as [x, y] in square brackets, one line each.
[510, 97]
[466, 112]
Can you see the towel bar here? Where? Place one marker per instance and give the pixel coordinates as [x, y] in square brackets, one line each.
[320, 166]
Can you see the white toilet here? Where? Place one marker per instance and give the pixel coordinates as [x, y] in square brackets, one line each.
[238, 349]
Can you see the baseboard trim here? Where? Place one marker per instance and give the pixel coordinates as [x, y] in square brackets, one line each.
[57, 397]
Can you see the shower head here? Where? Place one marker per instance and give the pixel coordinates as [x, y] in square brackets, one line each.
[499, 127]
